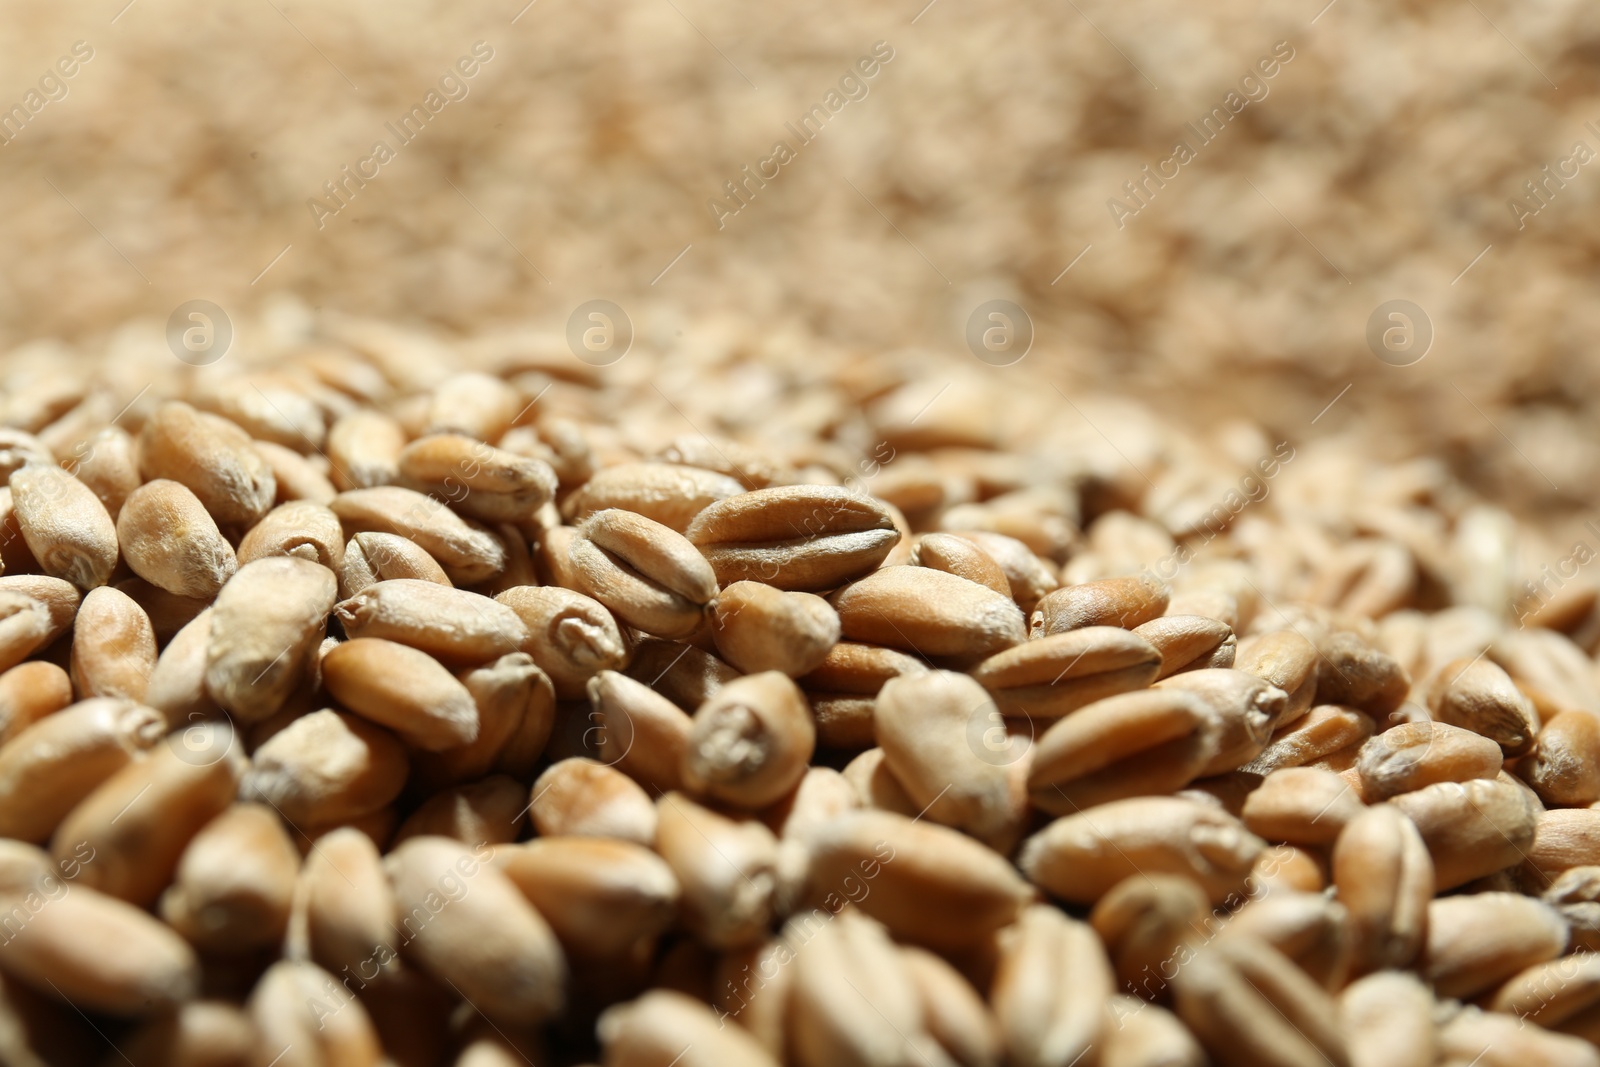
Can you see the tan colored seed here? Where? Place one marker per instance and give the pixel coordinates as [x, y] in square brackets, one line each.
[1417, 754]
[14, 554]
[853, 1000]
[1189, 642]
[1029, 576]
[1547, 668]
[931, 728]
[139, 820]
[822, 795]
[480, 481]
[110, 467]
[272, 406]
[931, 885]
[1079, 857]
[404, 689]
[265, 628]
[668, 493]
[554, 557]
[521, 752]
[379, 557]
[1490, 1039]
[1387, 1019]
[452, 625]
[605, 900]
[1135, 744]
[727, 868]
[298, 477]
[1146, 923]
[1384, 877]
[1056, 675]
[842, 687]
[364, 450]
[198, 1033]
[1146, 1035]
[929, 612]
[18, 448]
[299, 528]
[686, 675]
[113, 647]
[876, 786]
[234, 882]
[952, 1010]
[56, 598]
[306, 1017]
[468, 553]
[1249, 1005]
[1305, 806]
[1243, 705]
[1286, 868]
[1120, 602]
[479, 405]
[1316, 735]
[752, 466]
[1308, 928]
[172, 542]
[1476, 941]
[751, 743]
[99, 952]
[465, 922]
[212, 457]
[668, 1029]
[28, 693]
[757, 628]
[1575, 893]
[1478, 695]
[1564, 768]
[177, 685]
[168, 612]
[808, 538]
[516, 712]
[759, 1006]
[520, 568]
[47, 768]
[1288, 661]
[1353, 673]
[25, 626]
[1564, 838]
[585, 798]
[957, 555]
[1051, 989]
[1472, 828]
[638, 731]
[490, 811]
[646, 573]
[326, 767]
[67, 528]
[572, 637]
[349, 907]
[1559, 994]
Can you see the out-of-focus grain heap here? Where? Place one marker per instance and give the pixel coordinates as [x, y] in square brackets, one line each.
[578, 159]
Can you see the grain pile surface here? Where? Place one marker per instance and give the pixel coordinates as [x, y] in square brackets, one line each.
[752, 703]
[1377, 163]
[675, 535]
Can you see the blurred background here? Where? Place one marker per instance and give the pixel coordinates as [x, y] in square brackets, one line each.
[1384, 157]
